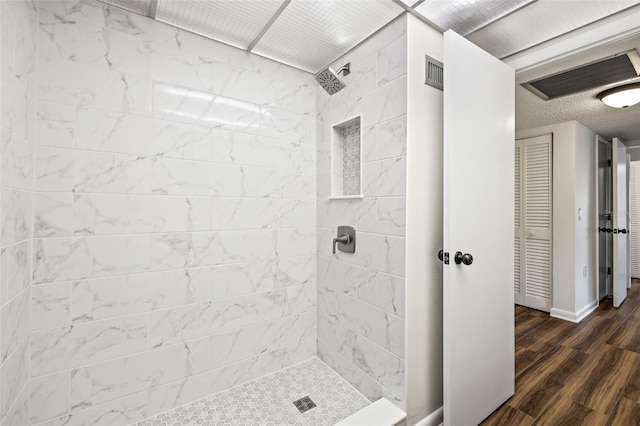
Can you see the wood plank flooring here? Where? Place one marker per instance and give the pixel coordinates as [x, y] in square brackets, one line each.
[576, 374]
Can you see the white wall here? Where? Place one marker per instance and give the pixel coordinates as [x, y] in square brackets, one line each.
[586, 228]
[424, 230]
[574, 177]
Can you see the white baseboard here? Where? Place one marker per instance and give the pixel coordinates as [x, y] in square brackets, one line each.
[582, 313]
[563, 315]
[574, 316]
[433, 419]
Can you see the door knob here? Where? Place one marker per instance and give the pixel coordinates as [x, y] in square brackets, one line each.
[466, 258]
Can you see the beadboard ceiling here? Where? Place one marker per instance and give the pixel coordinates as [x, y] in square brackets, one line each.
[311, 34]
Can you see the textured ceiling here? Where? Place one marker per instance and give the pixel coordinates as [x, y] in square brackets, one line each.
[531, 111]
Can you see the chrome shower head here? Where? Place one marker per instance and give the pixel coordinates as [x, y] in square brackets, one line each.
[329, 80]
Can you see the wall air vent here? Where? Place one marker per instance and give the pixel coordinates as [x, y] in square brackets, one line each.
[433, 72]
[615, 69]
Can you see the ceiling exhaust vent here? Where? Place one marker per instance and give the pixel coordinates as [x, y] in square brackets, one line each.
[615, 69]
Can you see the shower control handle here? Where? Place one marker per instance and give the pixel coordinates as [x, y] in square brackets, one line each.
[344, 239]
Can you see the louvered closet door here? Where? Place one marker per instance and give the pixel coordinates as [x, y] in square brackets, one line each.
[634, 227]
[517, 271]
[535, 227]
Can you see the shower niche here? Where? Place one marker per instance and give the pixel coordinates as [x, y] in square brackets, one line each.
[346, 159]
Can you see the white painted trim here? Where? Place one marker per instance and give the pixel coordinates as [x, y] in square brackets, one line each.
[582, 313]
[571, 316]
[608, 30]
[433, 419]
[564, 315]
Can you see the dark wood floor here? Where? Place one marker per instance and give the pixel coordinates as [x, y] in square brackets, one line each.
[576, 374]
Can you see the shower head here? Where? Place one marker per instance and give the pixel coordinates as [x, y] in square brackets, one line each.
[329, 80]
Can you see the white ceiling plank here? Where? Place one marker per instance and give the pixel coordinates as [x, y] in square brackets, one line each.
[465, 16]
[237, 23]
[542, 21]
[615, 27]
[311, 34]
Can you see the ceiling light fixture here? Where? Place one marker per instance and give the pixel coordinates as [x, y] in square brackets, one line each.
[621, 96]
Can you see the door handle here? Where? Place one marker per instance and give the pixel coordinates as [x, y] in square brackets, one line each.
[443, 257]
[466, 258]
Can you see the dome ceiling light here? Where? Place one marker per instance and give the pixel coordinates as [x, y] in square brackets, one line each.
[621, 96]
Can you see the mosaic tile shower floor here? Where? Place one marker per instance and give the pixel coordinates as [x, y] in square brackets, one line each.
[269, 401]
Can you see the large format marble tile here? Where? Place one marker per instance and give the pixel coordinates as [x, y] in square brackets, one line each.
[195, 321]
[15, 374]
[49, 396]
[14, 324]
[53, 215]
[114, 379]
[83, 85]
[240, 344]
[56, 124]
[115, 50]
[198, 386]
[96, 214]
[123, 411]
[64, 259]
[58, 349]
[259, 213]
[262, 151]
[71, 170]
[50, 305]
[392, 61]
[182, 68]
[113, 297]
[14, 269]
[108, 131]
[192, 106]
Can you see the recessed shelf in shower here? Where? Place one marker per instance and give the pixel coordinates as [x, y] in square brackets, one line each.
[346, 159]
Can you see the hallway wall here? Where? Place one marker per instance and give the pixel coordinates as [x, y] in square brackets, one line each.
[175, 241]
[18, 20]
[361, 302]
[574, 178]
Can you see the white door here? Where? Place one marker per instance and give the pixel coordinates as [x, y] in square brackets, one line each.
[532, 260]
[620, 271]
[478, 220]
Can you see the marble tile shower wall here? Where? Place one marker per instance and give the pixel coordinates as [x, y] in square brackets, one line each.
[361, 295]
[175, 241]
[18, 33]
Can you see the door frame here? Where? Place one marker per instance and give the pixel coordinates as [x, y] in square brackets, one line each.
[609, 145]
